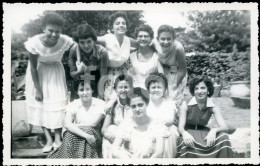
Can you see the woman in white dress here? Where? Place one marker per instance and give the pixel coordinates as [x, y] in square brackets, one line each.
[46, 90]
[145, 60]
[118, 47]
[140, 137]
[163, 110]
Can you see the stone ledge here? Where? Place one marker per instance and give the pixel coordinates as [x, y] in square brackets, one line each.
[28, 153]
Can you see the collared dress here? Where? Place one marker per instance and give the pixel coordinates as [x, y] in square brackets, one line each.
[195, 116]
[97, 65]
[160, 114]
[119, 113]
[74, 146]
[50, 112]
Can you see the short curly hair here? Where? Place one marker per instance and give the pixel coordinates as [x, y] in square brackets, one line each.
[52, 18]
[123, 77]
[195, 81]
[166, 28]
[85, 31]
[155, 77]
[145, 28]
[115, 15]
[138, 92]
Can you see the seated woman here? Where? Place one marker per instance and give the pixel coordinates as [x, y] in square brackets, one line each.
[141, 136]
[83, 122]
[87, 57]
[199, 141]
[118, 112]
[163, 110]
[145, 60]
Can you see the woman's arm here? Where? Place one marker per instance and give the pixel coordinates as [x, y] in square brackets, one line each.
[187, 138]
[159, 148]
[104, 63]
[180, 56]
[34, 72]
[109, 136]
[159, 67]
[101, 40]
[133, 43]
[211, 137]
[118, 151]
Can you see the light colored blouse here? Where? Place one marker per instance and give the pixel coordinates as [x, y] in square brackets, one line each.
[82, 117]
[137, 142]
[117, 54]
[48, 54]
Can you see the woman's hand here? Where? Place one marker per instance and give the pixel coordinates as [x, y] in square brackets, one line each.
[38, 95]
[188, 139]
[211, 137]
[112, 139]
[81, 67]
[91, 140]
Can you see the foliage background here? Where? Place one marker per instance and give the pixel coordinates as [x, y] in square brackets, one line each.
[218, 40]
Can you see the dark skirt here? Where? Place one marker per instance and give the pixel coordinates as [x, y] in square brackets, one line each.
[74, 146]
[221, 149]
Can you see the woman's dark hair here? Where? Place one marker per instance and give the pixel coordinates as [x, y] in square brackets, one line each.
[166, 28]
[138, 92]
[85, 31]
[156, 77]
[52, 18]
[145, 28]
[78, 82]
[124, 77]
[114, 16]
[195, 81]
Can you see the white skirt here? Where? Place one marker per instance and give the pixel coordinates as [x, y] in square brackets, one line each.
[50, 112]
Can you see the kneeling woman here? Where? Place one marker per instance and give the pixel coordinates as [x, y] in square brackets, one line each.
[141, 137]
[198, 141]
[83, 122]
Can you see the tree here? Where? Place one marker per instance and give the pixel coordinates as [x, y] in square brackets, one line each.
[218, 30]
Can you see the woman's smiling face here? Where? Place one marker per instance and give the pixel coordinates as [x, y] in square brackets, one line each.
[156, 89]
[201, 91]
[166, 41]
[119, 26]
[143, 38]
[122, 89]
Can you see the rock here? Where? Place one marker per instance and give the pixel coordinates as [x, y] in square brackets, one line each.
[240, 141]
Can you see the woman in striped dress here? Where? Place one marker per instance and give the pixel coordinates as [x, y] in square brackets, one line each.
[197, 140]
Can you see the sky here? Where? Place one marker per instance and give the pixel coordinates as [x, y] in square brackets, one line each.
[21, 16]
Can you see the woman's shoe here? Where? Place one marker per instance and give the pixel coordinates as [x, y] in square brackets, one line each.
[47, 149]
[55, 146]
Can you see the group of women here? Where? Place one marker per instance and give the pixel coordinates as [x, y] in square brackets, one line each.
[128, 98]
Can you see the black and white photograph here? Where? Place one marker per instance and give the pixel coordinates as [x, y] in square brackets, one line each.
[130, 83]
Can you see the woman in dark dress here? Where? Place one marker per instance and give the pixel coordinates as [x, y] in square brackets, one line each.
[197, 140]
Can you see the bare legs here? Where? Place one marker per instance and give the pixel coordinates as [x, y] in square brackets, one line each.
[57, 136]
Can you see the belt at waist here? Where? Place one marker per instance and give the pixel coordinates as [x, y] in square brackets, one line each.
[194, 127]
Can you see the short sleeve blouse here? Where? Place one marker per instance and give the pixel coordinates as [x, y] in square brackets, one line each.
[81, 116]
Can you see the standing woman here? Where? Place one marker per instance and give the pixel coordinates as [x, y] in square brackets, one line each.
[199, 141]
[46, 90]
[163, 110]
[118, 47]
[172, 57]
[145, 60]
